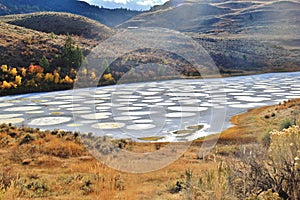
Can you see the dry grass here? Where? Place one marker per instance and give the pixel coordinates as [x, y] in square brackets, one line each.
[250, 125]
[60, 24]
[59, 167]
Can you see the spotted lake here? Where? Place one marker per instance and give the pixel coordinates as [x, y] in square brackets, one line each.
[162, 109]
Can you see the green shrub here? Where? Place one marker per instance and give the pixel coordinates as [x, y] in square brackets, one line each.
[286, 124]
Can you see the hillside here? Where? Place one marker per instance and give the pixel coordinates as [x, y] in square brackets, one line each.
[246, 35]
[60, 24]
[109, 17]
[26, 38]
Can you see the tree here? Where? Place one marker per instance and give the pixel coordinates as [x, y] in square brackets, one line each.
[72, 56]
[45, 63]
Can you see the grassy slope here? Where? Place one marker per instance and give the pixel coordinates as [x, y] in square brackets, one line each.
[60, 168]
[21, 45]
[109, 17]
[60, 24]
[252, 124]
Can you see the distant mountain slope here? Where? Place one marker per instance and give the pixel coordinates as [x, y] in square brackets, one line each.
[109, 17]
[60, 24]
[249, 35]
[224, 16]
[185, 17]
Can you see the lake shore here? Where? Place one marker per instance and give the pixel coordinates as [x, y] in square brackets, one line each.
[39, 157]
[62, 87]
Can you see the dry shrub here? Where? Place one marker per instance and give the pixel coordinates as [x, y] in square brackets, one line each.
[60, 147]
[260, 170]
[212, 184]
[11, 193]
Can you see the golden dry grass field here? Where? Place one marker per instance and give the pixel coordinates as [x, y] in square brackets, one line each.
[38, 164]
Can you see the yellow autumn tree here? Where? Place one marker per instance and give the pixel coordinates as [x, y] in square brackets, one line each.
[49, 77]
[31, 83]
[39, 76]
[56, 77]
[13, 71]
[4, 68]
[67, 80]
[92, 75]
[23, 72]
[7, 85]
[84, 71]
[108, 77]
[18, 80]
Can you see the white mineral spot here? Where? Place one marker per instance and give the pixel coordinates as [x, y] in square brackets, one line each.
[11, 120]
[190, 101]
[81, 111]
[137, 113]
[88, 121]
[165, 104]
[74, 125]
[126, 100]
[7, 116]
[143, 121]
[272, 90]
[66, 97]
[145, 93]
[207, 104]
[104, 115]
[180, 114]
[35, 112]
[101, 96]
[93, 101]
[151, 100]
[295, 92]
[23, 108]
[55, 103]
[69, 106]
[152, 97]
[126, 118]
[140, 126]
[78, 108]
[231, 102]
[54, 108]
[252, 99]
[241, 94]
[241, 106]
[129, 108]
[293, 96]
[187, 108]
[103, 107]
[6, 104]
[140, 104]
[108, 125]
[49, 121]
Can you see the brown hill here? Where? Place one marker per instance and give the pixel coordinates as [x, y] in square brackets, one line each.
[26, 38]
[60, 24]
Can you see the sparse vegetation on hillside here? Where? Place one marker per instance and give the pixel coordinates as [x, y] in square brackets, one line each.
[109, 17]
[46, 77]
[60, 23]
[256, 36]
[20, 46]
